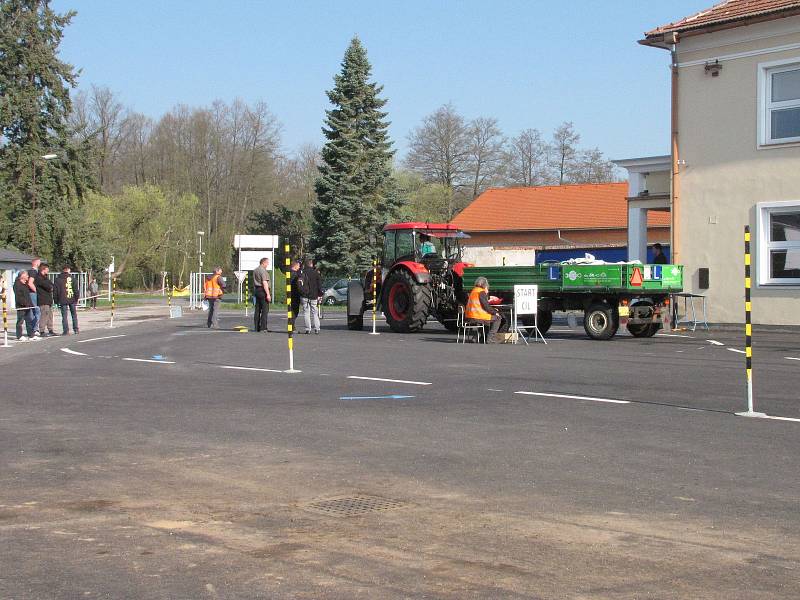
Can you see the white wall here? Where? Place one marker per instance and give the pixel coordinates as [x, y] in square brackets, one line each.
[494, 256]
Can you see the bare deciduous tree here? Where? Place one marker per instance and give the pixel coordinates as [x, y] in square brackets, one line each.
[527, 159]
[485, 154]
[563, 150]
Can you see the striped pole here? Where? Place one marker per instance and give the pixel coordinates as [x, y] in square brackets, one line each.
[169, 292]
[748, 329]
[5, 319]
[289, 319]
[113, 299]
[374, 295]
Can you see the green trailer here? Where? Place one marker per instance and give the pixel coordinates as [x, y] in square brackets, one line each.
[612, 295]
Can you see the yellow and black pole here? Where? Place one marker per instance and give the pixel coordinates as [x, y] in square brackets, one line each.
[169, 292]
[5, 318]
[748, 329]
[113, 300]
[289, 316]
[374, 296]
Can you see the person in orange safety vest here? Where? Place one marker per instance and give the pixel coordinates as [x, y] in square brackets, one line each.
[213, 289]
[479, 310]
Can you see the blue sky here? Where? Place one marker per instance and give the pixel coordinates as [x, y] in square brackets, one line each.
[527, 63]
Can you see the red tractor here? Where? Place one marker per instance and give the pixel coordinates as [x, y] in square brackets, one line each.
[420, 276]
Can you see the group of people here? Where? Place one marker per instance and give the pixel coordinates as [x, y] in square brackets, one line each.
[34, 297]
[305, 291]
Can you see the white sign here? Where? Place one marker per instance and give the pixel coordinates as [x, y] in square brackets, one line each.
[250, 259]
[526, 299]
[240, 275]
[263, 242]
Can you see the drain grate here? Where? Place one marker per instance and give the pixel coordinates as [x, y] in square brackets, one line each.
[353, 506]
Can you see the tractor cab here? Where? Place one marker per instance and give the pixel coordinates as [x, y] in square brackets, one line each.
[432, 245]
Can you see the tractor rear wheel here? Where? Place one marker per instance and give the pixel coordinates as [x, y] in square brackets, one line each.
[406, 303]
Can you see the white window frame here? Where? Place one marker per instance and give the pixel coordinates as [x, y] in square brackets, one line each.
[766, 106]
[764, 245]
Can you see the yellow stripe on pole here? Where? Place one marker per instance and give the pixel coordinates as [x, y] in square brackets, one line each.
[746, 236]
[747, 282]
[291, 344]
[748, 352]
[748, 329]
[749, 374]
[747, 306]
[747, 259]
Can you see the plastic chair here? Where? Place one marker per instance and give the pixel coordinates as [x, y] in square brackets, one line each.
[463, 327]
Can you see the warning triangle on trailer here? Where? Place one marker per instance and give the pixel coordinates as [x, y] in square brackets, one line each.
[636, 277]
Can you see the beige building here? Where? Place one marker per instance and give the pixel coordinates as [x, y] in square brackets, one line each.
[735, 157]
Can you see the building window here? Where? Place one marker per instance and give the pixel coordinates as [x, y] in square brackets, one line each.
[779, 243]
[780, 99]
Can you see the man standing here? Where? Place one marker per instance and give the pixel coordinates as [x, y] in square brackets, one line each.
[659, 258]
[479, 310]
[66, 296]
[33, 273]
[212, 291]
[44, 298]
[94, 291]
[310, 286]
[24, 306]
[295, 287]
[262, 293]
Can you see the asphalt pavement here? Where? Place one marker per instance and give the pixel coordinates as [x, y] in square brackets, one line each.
[167, 460]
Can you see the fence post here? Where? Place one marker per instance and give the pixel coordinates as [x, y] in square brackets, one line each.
[289, 316]
[748, 330]
[374, 296]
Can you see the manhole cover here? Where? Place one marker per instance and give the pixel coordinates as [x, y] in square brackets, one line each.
[353, 506]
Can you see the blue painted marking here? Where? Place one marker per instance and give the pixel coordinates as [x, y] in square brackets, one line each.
[554, 273]
[392, 397]
[158, 357]
[657, 272]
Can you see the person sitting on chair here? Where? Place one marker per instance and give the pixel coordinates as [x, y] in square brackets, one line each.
[426, 246]
[479, 310]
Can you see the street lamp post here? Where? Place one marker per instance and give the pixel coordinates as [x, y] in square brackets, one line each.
[33, 211]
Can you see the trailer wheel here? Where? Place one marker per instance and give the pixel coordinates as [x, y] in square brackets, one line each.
[642, 330]
[406, 303]
[600, 322]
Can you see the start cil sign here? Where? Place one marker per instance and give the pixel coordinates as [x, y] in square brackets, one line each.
[526, 299]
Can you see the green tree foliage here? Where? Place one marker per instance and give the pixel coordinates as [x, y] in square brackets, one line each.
[148, 232]
[354, 190]
[41, 200]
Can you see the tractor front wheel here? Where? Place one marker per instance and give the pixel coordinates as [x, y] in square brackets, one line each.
[406, 303]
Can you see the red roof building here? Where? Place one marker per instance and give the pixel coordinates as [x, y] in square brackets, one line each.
[555, 222]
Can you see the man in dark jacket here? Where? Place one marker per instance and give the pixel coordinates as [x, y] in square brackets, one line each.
[44, 298]
[310, 286]
[295, 293]
[24, 305]
[66, 296]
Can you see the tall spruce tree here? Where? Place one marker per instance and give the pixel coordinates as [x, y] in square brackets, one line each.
[355, 190]
[34, 106]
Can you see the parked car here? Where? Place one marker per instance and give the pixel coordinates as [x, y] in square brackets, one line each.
[336, 293]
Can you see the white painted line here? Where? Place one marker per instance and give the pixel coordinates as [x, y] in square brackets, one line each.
[148, 360]
[791, 358]
[574, 397]
[715, 343]
[782, 419]
[108, 337]
[736, 350]
[389, 380]
[68, 351]
[672, 335]
[250, 369]
[493, 390]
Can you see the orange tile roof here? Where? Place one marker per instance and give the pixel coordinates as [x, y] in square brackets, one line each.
[727, 13]
[579, 206]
